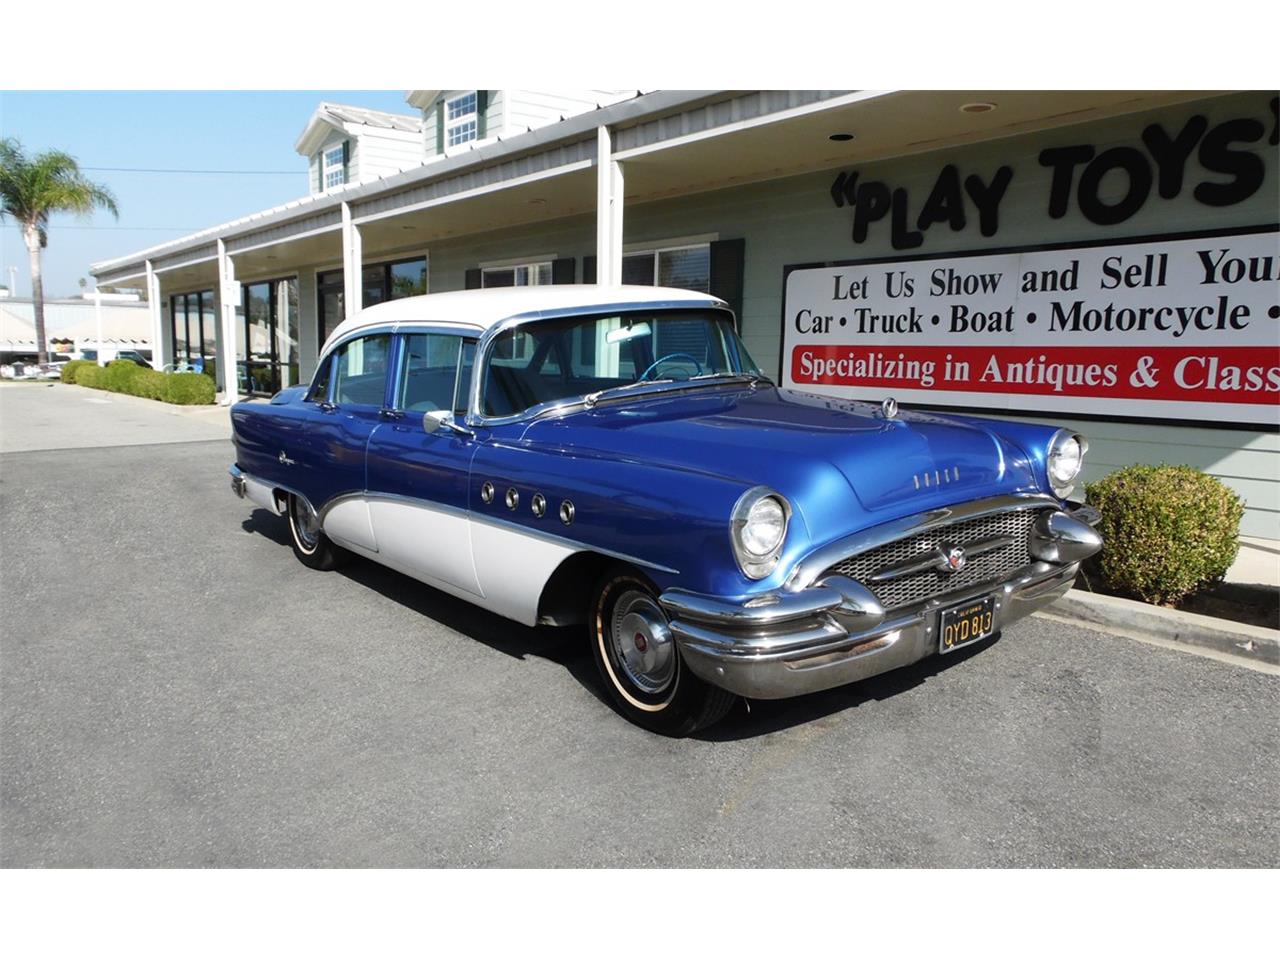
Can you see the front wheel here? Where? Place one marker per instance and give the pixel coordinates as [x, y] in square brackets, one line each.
[310, 545]
[640, 663]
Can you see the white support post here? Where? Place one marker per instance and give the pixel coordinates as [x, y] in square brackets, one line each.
[228, 293]
[609, 200]
[158, 359]
[97, 319]
[352, 259]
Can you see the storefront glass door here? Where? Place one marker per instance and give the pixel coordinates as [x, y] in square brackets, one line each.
[267, 356]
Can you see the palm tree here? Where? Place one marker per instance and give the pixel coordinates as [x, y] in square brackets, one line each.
[32, 189]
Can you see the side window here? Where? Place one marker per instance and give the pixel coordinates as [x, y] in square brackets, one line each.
[360, 374]
[430, 372]
[320, 382]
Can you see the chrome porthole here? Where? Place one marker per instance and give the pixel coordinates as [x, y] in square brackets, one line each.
[539, 505]
[566, 512]
[642, 643]
[513, 498]
[486, 492]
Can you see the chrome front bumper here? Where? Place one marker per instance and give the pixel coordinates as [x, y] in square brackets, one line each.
[834, 631]
[813, 640]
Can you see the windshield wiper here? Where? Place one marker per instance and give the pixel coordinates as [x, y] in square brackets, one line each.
[591, 399]
[750, 377]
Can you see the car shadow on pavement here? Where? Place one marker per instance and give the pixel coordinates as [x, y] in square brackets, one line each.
[565, 646]
[760, 717]
[560, 645]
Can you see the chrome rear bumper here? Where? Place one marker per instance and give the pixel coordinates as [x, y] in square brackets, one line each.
[238, 483]
[794, 643]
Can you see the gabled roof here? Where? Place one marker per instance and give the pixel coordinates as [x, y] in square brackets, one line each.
[341, 116]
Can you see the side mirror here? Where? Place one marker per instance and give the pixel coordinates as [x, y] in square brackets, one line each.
[437, 421]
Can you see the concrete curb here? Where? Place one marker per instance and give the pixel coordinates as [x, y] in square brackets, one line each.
[1175, 626]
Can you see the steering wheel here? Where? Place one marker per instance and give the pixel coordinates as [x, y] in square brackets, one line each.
[670, 356]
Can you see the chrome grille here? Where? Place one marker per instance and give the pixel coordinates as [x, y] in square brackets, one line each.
[917, 587]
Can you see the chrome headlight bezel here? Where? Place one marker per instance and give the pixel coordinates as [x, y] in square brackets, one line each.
[1063, 488]
[757, 566]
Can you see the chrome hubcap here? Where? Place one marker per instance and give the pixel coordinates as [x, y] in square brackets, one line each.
[642, 642]
[306, 523]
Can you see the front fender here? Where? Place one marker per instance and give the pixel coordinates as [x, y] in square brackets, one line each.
[673, 523]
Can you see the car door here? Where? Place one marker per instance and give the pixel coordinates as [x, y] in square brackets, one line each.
[338, 438]
[418, 477]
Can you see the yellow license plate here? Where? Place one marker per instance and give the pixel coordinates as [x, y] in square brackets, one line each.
[966, 624]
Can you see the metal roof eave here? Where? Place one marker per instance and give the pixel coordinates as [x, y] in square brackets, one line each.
[569, 129]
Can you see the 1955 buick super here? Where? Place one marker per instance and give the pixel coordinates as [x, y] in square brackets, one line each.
[612, 457]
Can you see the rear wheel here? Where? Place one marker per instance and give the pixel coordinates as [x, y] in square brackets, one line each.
[640, 663]
[310, 545]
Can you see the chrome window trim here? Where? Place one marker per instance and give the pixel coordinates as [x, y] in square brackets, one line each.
[811, 566]
[484, 351]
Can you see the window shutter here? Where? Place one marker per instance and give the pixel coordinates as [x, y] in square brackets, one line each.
[482, 103]
[440, 125]
[564, 270]
[728, 261]
[346, 161]
[589, 269]
[473, 281]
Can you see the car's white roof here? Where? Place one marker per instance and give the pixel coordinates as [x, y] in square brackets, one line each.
[477, 310]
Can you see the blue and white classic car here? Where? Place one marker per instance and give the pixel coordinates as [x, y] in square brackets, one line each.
[611, 456]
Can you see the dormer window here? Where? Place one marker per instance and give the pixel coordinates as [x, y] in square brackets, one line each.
[461, 118]
[334, 166]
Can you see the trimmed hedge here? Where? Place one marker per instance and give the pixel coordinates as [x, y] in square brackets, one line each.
[1166, 530]
[125, 376]
[69, 369]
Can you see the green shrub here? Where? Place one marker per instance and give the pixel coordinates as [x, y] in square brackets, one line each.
[91, 375]
[188, 388]
[125, 376]
[149, 384]
[121, 374]
[1166, 530]
[69, 369]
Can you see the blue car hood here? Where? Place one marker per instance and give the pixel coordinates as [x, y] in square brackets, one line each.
[830, 456]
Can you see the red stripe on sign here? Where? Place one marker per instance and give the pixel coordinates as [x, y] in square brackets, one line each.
[1217, 374]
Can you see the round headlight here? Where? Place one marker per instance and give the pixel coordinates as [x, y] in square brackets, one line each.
[1065, 460]
[758, 527]
[765, 526]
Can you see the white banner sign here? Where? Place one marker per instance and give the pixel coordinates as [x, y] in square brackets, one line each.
[1184, 329]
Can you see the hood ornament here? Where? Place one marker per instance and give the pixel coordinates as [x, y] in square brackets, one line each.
[888, 408]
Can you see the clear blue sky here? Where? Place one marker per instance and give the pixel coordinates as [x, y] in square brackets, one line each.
[179, 130]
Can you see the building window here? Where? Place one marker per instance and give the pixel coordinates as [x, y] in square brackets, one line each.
[193, 327]
[267, 344]
[521, 275]
[687, 267]
[461, 119]
[334, 170]
[379, 282]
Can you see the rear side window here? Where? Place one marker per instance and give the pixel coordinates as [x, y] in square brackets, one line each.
[430, 372]
[360, 374]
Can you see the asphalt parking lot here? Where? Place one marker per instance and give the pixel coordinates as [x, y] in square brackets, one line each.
[177, 690]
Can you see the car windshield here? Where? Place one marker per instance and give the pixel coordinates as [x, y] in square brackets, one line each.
[574, 357]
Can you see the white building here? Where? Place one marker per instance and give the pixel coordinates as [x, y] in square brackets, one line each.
[109, 323]
[1129, 242]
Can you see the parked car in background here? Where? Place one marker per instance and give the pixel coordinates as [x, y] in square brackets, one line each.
[612, 457]
[107, 354]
